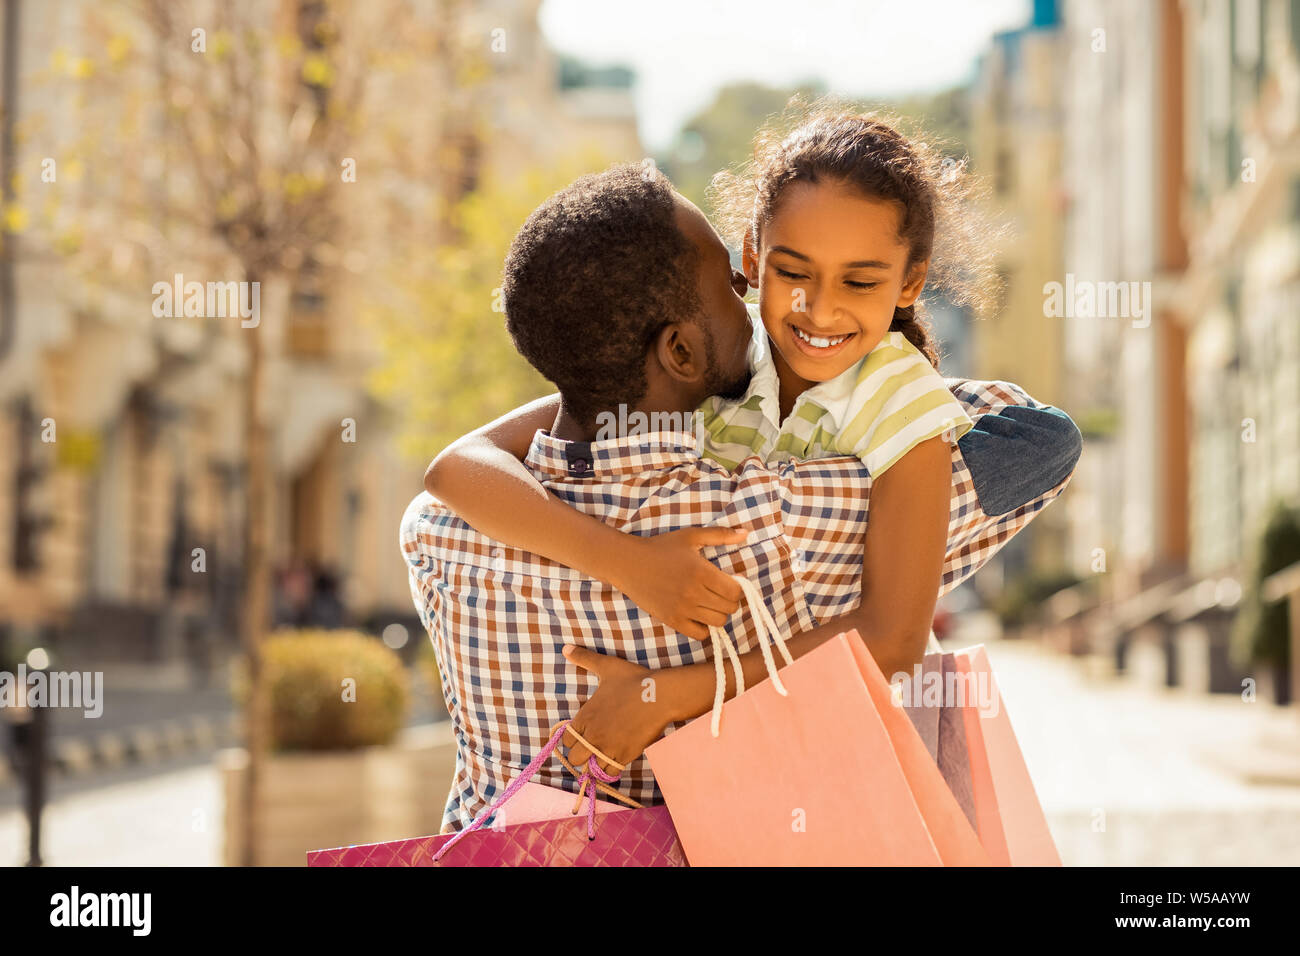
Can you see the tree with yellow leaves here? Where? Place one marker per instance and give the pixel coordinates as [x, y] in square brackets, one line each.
[215, 139]
[449, 365]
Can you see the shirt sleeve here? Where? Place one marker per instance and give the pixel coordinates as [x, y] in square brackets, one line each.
[423, 568]
[898, 401]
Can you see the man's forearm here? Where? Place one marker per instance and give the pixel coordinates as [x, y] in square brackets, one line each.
[687, 691]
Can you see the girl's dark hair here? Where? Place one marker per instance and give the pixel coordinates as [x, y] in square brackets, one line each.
[832, 141]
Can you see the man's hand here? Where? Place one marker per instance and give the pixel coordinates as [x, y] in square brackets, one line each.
[670, 580]
[622, 718]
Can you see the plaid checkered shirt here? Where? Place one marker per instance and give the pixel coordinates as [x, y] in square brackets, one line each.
[499, 616]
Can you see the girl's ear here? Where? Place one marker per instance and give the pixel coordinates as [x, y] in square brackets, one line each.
[911, 290]
[749, 258]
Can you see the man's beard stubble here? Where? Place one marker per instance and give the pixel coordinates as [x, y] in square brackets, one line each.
[717, 384]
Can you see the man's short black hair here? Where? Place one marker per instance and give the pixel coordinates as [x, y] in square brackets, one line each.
[592, 278]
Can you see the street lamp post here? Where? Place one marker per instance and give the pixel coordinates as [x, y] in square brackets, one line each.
[30, 728]
[35, 731]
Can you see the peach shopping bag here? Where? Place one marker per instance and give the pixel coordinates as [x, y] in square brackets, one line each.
[1010, 819]
[813, 766]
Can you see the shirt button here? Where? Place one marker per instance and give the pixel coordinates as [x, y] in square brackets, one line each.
[579, 465]
[796, 562]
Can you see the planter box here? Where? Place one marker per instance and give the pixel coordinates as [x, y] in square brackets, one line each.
[339, 798]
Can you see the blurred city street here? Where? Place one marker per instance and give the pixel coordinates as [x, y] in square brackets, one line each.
[1153, 767]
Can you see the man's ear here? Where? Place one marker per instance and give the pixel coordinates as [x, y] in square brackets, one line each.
[915, 282]
[749, 258]
[679, 352]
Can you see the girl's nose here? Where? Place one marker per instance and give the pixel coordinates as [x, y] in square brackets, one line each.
[805, 301]
[819, 308]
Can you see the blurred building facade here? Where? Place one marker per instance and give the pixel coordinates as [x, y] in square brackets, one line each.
[1127, 383]
[128, 430]
[1240, 295]
[1016, 144]
[1182, 168]
[540, 105]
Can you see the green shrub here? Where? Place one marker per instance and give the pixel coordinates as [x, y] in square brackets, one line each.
[1261, 631]
[1022, 598]
[332, 690]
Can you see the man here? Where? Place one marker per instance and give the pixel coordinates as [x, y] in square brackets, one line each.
[596, 258]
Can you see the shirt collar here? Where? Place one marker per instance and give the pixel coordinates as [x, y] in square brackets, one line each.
[836, 394]
[832, 396]
[613, 457]
[763, 380]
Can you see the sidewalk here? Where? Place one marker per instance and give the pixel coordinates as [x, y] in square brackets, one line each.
[171, 819]
[1133, 777]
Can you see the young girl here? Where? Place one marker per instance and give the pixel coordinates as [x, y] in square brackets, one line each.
[837, 221]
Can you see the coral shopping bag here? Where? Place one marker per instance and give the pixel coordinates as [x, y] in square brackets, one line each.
[813, 766]
[1010, 819]
[537, 828]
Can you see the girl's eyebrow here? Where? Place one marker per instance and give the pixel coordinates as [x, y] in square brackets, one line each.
[859, 264]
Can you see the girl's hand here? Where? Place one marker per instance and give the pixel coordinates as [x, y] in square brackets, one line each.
[622, 718]
[670, 580]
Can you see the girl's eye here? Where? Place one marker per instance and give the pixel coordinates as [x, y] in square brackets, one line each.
[863, 286]
[786, 275]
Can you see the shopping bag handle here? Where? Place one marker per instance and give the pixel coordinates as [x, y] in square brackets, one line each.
[593, 772]
[722, 642]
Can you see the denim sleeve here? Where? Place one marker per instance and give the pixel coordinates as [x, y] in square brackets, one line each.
[1018, 454]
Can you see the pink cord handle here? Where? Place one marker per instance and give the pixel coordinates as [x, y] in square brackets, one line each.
[593, 770]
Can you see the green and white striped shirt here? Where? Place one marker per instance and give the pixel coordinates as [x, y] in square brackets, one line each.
[877, 410]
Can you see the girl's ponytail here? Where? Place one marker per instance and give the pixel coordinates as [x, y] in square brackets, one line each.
[917, 331]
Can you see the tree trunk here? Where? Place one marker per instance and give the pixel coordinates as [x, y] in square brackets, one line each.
[256, 591]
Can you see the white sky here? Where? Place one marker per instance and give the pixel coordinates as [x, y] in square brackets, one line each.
[683, 50]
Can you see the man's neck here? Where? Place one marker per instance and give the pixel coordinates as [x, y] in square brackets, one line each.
[569, 428]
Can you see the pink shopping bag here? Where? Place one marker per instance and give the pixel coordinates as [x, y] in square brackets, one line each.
[535, 826]
[1009, 816]
[813, 766]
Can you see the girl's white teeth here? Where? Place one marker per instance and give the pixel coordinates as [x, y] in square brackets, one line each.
[816, 341]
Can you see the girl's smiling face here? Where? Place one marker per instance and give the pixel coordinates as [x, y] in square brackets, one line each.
[830, 270]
